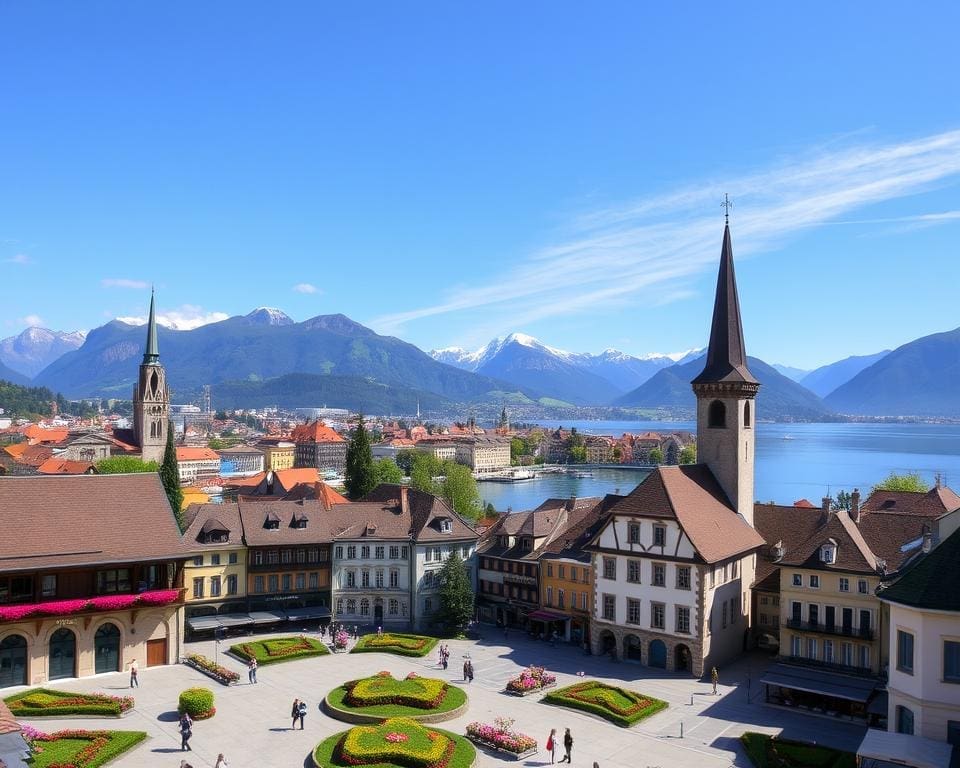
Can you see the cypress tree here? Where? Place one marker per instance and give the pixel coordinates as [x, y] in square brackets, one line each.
[361, 476]
[170, 477]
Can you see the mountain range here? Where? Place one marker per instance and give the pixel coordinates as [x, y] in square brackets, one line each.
[32, 350]
[827, 378]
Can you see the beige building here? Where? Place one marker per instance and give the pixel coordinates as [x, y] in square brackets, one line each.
[483, 454]
[277, 454]
[196, 465]
[441, 448]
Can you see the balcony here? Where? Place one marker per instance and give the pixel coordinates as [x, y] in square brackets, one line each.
[830, 629]
[88, 605]
[848, 669]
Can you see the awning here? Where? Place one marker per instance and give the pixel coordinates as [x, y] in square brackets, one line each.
[234, 619]
[203, 623]
[267, 617]
[882, 748]
[543, 615]
[310, 612]
[820, 681]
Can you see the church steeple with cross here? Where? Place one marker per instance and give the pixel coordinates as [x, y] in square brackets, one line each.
[151, 398]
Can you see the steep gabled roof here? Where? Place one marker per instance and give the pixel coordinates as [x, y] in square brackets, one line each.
[203, 519]
[569, 543]
[787, 526]
[931, 582]
[932, 503]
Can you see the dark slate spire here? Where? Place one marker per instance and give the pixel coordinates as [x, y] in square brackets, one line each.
[726, 356]
[152, 355]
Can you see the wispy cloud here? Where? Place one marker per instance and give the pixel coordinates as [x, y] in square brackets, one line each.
[123, 282]
[305, 288]
[19, 258]
[655, 246]
[32, 321]
[183, 318]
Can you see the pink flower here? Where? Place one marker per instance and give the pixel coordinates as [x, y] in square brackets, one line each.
[395, 738]
[158, 597]
[60, 607]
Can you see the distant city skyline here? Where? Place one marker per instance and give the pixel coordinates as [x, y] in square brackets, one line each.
[444, 176]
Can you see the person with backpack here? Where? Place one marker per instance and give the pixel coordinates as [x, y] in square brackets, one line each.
[186, 731]
[294, 713]
[567, 745]
[552, 743]
[302, 713]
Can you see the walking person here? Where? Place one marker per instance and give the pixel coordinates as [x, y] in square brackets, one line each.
[294, 713]
[552, 743]
[469, 671]
[714, 678]
[466, 669]
[446, 657]
[221, 761]
[567, 744]
[134, 682]
[356, 632]
[186, 731]
[302, 713]
[185, 764]
[252, 670]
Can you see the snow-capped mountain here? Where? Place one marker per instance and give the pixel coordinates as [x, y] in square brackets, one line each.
[32, 350]
[268, 316]
[522, 359]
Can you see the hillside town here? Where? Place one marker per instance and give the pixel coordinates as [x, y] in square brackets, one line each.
[853, 609]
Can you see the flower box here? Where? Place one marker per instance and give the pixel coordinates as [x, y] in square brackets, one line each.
[210, 668]
[531, 680]
[500, 737]
[493, 747]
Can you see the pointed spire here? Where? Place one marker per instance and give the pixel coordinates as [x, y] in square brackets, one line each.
[152, 353]
[726, 355]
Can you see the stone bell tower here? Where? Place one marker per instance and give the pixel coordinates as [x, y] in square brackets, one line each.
[151, 398]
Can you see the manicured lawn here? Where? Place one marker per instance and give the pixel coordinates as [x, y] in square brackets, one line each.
[770, 752]
[278, 649]
[395, 642]
[65, 747]
[395, 743]
[44, 702]
[384, 696]
[618, 705]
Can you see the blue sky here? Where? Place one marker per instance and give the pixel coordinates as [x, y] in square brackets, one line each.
[447, 173]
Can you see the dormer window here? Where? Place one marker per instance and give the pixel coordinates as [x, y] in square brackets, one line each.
[272, 521]
[828, 553]
[778, 551]
[446, 525]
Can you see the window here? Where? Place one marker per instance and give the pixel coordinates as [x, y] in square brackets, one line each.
[846, 654]
[286, 556]
[795, 646]
[351, 606]
[273, 557]
[633, 571]
[828, 651]
[378, 553]
[446, 526]
[951, 661]
[573, 573]
[828, 553]
[438, 553]
[301, 556]
[830, 616]
[763, 619]
[683, 577]
[657, 615]
[314, 580]
[339, 605]
[313, 555]
[364, 607]
[713, 576]
[573, 599]
[394, 552]
[865, 623]
[717, 415]
[114, 580]
[258, 584]
[198, 561]
[394, 578]
[197, 588]
[232, 584]
[814, 581]
[746, 415]
[428, 555]
[48, 585]
[865, 656]
[844, 584]
[428, 605]
[465, 552]
[351, 553]
[550, 569]
[214, 586]
[301, 581]
[549, 595]
[735, 568]
[812, 648]
[723, 615]
[287, 582]
[214, 559]
[583, 601]
[351, 579]
[683, 619]
[798, 579]
[764, 600]
[904, 720]
[378, 579]
[232, 558]
[813, 614]
[560, 571]
[610, 568]
[633, 611]
[338, 552]
[609, 608]
[403, 554]
[633, 533]
[560, 598]
[904, 651]
[659, 575]
[659, 536]
[365, 551]
[393, 607]
[862, 586]
[428, 579]
[365, 578]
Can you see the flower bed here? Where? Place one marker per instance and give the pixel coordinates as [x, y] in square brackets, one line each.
[531, 680]
[209, 667]
[198, 703]
[395, 743]
[395, 642]
[44, 702]
[340, 641]
[77, 748]
[618, 705]
[501, 737]
[383, 696]
[104, 603]
[770, 751]
[279, 649]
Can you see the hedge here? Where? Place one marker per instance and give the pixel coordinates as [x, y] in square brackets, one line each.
[413, 752]
[45, 702]
[62, 748]
[578, 696]
[280, 649]
[197, 702]
[395, 642]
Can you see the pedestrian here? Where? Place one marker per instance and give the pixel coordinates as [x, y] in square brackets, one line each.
[446, 657]
[302, 713]
[567, 744]
[185, 764]
[221, 761]
[553, 638]
[186, 731]
[469, 671]
[356, 632]
[294, 713]
[252, 670]
[466, 669]
[379, 631]
[714, 678]
[596, 764]
[134, 682]
[552, 743]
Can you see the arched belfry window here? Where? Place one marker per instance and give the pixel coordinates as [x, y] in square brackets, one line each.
[746, 414]
[717, 414]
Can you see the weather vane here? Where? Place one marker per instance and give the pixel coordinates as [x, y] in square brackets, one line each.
[726, 204]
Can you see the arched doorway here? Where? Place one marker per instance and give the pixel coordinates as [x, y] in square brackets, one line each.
[378, 611]
[608, 643]
[631, 648]
[63, 654]
[13, 661]
[657, 654]
[106, 649]
[681, 658]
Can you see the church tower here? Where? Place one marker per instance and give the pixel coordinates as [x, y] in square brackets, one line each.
[725, 391]
[151, 399]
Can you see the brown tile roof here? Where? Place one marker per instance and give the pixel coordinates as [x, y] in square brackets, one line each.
[315, 432]
[58, 521]
[204, 518]
[55, 466]
[425, 511]
[787, 526]
[569, 543]
[932, 503]
[692, 496]
[34, 455]
[254, 515]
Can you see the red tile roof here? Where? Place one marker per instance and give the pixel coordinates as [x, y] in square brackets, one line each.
[56, 466]
[185, 453]
[932, 503]
[315, 432]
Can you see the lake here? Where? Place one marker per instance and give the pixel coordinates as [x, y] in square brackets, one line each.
[817, 459]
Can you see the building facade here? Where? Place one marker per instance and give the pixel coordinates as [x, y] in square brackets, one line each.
[277, 454]
[319, 447]
[483, 454]
[241, 460]
[196, 465]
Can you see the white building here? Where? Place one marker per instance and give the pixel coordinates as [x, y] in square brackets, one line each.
[483, 454]
[197, 464]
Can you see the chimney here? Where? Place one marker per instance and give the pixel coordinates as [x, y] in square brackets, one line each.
[573, 502]
[937, 481]
[927, 542]
[825, 509]
[404, 490]
[855, 505]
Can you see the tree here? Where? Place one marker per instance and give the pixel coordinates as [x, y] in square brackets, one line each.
[425, 467]
[404, 460]
[170, 477]
[360, 477]
[125, 465]
[673, 455]
[909, 481]
[842, 501]
[655, 456]
[456, 594]
[459, 488]
[386, 471]
[220, 415]
[689, 454]
[517, 449]
[578, 454]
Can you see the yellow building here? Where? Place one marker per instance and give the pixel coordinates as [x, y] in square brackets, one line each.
[215, 574]
[277, 455]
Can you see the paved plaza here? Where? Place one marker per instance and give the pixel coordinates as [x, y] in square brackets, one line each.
[252, 724]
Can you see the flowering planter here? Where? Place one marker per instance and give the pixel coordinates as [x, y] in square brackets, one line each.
[495, 748]
[531, 691]
[223, 680]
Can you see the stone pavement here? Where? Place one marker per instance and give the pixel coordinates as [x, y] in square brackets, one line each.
[252, 724]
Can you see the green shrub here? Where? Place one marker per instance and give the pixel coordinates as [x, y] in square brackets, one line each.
[425, 747]
[45, 702]
[280, 649]
[767, 751]
[197, 702]
[618, 705]
[395, 642]
[384, 696]
[61, 750]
